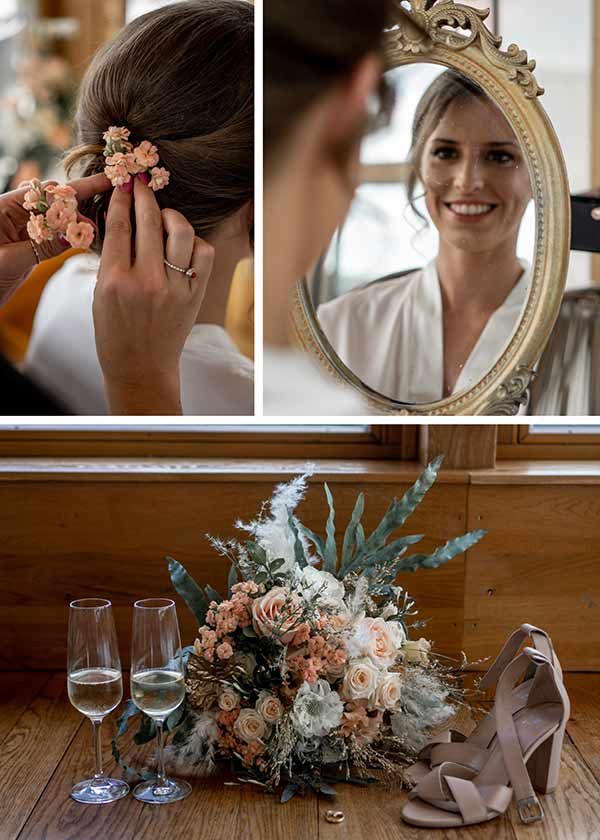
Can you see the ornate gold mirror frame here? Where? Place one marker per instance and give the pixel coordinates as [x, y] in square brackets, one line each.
[428, 31]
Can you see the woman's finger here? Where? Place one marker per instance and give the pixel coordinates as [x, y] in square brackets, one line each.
[90, 186]
[202, 262]
[180, 243]
[149, 244]
[116, 251]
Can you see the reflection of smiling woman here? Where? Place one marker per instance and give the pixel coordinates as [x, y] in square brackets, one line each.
[424, 335]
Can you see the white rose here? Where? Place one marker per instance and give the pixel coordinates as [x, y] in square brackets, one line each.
[228, 699]
[321, 586]
[269, 707]
[360, 680]
[378, 639]
[317, 710]
[250, 726]
[417, 651]
[389, 610]
[388, 692]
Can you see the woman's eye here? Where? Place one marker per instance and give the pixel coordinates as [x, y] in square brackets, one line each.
[501, 157]
[444, 153]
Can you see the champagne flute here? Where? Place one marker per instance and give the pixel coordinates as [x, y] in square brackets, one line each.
[95, 686]
[157, 685]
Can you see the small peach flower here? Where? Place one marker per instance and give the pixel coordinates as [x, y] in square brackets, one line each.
[160, 178]
[116, 133]
[37, 229]
[146, 155]
[63, 192]
[60, 215]
[224, 651]
[34, 196]
[80, 234]
[117, 170]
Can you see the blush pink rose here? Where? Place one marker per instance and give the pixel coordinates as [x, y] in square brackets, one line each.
[388, 692]
[378, 639]
[250, 726]
[360, 680]
[268, 618]
[269, 707]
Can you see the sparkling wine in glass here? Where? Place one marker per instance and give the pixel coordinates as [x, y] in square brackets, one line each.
[157, 685]
[95, 686]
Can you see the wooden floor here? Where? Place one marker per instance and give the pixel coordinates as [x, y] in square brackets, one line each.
[45, 748]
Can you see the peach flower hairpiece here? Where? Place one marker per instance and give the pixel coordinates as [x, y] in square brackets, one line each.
[53, 214]
[123, 160]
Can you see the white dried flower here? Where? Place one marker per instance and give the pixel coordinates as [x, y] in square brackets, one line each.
[317, 710]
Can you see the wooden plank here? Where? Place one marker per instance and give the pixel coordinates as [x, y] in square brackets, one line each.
[578, 473]
[584, 726]
[538, 563]
[32, 750]
[213, 810]
[220, 813]
[465, 446]
[110, 540]
[17, 689]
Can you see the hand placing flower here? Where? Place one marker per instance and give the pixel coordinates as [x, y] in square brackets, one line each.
[17, 258]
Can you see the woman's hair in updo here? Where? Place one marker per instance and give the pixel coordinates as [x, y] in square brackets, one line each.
[446, 88]
[310, 46]
[182, 78]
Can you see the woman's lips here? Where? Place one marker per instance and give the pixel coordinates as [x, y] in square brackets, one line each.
[470, 212]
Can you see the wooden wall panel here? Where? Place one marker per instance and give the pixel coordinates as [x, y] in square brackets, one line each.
[540, 563]
[67, 539]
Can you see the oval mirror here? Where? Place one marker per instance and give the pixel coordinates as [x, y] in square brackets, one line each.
[439, 291]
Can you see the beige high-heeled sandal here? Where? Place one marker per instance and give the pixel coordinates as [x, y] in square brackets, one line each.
[452, 745]
[525, 755]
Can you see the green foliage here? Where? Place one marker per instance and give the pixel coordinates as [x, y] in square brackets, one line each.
[373, 556]
[189, 590]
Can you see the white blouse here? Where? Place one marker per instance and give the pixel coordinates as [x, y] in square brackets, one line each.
[295, 385]
[390, 335]
[216, 379]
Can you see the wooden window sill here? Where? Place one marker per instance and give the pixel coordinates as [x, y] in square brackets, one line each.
[251, 469]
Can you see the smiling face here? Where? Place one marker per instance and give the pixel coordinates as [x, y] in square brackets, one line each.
[476, 182]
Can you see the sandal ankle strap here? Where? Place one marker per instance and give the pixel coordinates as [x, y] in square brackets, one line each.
[541, 641]
[529, 807]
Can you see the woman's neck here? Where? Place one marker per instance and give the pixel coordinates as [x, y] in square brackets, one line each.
[477, 281]
[214, 305]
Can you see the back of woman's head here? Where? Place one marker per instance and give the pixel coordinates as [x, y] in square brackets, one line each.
[182, 78]
[307, 48]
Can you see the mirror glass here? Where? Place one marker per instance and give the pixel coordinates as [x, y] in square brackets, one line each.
[424, 284]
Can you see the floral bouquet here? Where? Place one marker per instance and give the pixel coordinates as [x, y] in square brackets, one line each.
[305, 674]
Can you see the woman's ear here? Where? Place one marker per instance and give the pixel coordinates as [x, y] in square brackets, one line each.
[348, 106]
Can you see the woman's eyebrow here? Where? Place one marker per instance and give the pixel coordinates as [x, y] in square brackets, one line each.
[494, 143]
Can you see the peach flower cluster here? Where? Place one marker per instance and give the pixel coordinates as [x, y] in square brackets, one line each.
[314, 656]
[123, 160]
[53, 214]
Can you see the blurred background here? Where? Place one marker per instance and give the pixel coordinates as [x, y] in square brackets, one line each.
[45, 48]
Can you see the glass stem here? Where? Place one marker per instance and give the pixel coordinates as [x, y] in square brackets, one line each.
[161, 778]
[98, 772]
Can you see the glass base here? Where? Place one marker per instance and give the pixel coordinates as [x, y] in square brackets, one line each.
[93, 792]
[172, 791]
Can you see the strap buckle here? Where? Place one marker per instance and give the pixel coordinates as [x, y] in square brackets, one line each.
[530, 809]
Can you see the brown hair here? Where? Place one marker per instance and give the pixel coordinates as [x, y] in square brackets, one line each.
[447, 88]
[309, 47]
[182, 78]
